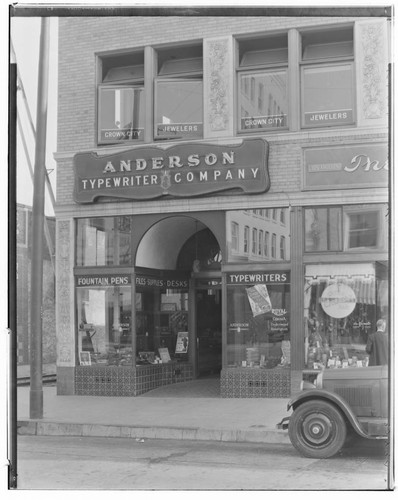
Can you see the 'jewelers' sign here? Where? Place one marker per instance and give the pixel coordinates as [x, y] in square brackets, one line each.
[180, 171]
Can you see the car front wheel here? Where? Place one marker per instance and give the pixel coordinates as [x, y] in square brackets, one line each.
[317, 429]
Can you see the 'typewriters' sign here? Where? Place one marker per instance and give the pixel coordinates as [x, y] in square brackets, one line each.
[180, 171]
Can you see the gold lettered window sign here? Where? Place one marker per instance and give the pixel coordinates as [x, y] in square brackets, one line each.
[179, 171]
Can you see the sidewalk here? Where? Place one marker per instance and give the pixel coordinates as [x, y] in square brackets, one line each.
[199, 418]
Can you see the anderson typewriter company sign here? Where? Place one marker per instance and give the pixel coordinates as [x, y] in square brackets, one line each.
[180, 171]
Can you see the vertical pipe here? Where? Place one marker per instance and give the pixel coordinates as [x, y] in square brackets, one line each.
[36, 355]
[12, 277]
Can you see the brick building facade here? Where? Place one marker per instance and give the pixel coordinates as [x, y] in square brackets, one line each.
[267, 260]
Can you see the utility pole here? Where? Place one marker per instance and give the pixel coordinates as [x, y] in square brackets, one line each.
[36, 349]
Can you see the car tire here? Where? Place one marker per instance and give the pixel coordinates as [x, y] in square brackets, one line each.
[317, 429]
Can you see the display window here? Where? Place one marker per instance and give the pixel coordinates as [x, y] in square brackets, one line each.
[342, 305]
[104, 335]
[253, 236]
[258, 320]
[161, 319]
[104, 241]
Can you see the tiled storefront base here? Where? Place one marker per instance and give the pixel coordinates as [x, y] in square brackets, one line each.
[255, 383]
[127, 381]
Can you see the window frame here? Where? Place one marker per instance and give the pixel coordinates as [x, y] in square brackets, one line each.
[260, 241]
[282, 247]
[327, 61]
[254, 241]
[351, 211]
[249, 75]
[345, 211]
[137, 56]
[273, 246]
[234, 236]
[116, 86]
[173, 79]
[267, 245]
[322, 124]
[246, 239]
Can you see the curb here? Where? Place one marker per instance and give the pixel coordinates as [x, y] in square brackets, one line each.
[36, 428]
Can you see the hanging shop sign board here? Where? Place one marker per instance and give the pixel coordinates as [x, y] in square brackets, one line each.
[184, 170]
[364, 165]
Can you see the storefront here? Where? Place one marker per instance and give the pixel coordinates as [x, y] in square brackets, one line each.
[239, 236]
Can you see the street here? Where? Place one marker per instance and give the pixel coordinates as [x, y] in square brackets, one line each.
[48, 462]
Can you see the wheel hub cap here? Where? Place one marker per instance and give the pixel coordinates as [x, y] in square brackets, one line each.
[317, 429]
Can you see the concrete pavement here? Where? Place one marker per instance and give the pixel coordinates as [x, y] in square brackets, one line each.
[193, 418]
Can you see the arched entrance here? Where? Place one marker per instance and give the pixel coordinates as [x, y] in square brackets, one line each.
[187, 322]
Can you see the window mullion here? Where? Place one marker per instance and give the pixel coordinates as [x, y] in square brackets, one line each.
[293, 80]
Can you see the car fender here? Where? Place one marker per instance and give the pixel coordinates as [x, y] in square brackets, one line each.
[335, 399]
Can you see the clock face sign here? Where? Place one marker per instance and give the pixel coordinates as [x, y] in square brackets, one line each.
[338, 300]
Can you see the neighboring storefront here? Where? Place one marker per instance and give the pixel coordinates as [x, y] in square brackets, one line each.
[204, 232]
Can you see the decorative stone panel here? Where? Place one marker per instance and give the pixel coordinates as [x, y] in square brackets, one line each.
[64, 294]
[371, 49]
[255, 383]
[218, 87]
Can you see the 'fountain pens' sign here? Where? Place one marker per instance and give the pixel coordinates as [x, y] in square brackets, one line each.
[184, 170]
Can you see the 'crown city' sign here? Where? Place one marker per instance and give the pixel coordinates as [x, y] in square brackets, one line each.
[180, 171]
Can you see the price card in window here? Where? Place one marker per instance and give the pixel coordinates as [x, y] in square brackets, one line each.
[164, 354]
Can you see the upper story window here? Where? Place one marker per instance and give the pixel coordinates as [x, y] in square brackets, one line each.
[260, 242]
[282, 216]
[273, 246]
[262, 68]
[246, 236]
[327, 77]
[351, 227]
[179, 93]
[266, 243]
[282, 247]
[234, 236]
[121, 98]
[254, 240]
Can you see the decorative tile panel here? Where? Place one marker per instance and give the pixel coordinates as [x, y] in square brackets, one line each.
[127, 381]
[247, 383]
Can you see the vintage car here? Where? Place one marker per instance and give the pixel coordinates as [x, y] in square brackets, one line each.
[339, 402]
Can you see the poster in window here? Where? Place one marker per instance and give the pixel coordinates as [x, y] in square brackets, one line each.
[84, 358]
[260, 302]
[182, 343]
